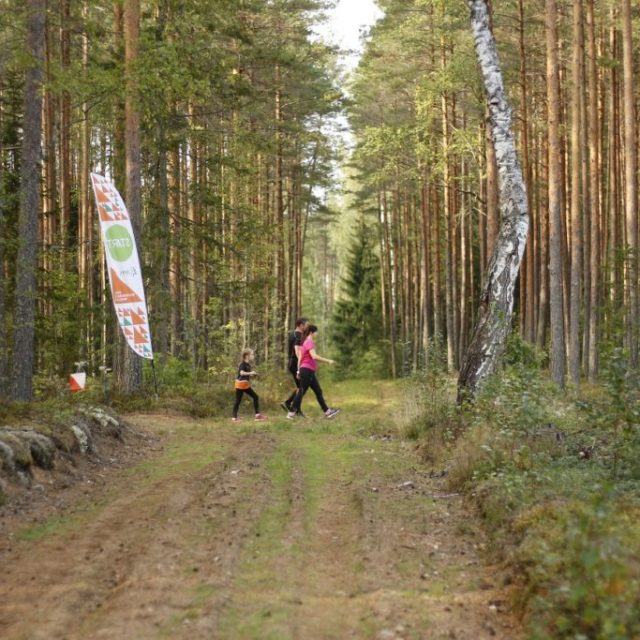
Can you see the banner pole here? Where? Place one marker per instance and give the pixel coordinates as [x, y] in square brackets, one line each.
[155, 379]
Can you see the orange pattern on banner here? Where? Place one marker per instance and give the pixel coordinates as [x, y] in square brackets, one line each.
[100, 196]
[139, 337]
[104, 214]
[137, 319]
[122, 294]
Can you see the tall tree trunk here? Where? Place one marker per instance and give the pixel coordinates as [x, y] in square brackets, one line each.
[438, 329]
[543, 242]
[3, 278]
[594, 190]
[279, 307]
[49, 220]
[556, 279]
[175, 252]
[449, 230]
[616, 294]
[390, 280]
[527, 290]
[425, 266]
[496, 303]
[131, 380]
[85, 221]
[631, 197]
[27, 258]
[575, 300]
[65, 135]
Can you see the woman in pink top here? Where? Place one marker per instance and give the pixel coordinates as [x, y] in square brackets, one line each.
[307, 367]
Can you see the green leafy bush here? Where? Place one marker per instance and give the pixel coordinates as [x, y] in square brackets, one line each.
[556, 476]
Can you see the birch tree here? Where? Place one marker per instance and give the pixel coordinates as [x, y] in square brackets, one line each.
[496, 302]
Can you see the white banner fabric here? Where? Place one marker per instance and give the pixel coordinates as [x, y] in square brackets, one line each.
[123, 266]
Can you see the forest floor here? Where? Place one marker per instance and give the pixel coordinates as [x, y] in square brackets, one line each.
[327, 529]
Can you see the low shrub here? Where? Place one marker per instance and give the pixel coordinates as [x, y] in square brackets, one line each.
[556, 477]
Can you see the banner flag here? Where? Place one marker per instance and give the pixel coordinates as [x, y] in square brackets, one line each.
[123, 266]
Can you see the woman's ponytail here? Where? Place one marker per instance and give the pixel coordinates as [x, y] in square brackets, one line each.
[310, 328]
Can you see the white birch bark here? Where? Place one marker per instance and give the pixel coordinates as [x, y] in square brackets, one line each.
[496, 302]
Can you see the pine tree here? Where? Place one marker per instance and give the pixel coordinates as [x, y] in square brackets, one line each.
[357, 328]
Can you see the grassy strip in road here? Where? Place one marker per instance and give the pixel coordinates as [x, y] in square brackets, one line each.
[251, 614]
[319, 463]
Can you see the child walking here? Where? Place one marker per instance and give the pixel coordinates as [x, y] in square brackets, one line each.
[243, 385]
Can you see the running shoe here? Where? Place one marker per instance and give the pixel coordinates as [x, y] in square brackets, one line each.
[291, 415]
[259, 417]
[236, 419]
[331, 413]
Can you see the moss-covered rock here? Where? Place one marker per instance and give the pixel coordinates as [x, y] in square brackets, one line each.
[83, 437]
[20, 447]
[7, 458]
[42, 447]
[105, 423]
[64, 438]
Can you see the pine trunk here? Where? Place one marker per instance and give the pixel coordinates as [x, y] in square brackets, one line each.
[556, 279]
[631, 203]
[131, 374]
[594, 189]
[3, 284]
[27, 258]
[575, 299]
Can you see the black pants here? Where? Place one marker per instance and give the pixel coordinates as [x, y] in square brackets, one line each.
[308, 379]
[252, 394]
[293, 368]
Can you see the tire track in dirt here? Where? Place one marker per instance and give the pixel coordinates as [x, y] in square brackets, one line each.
[380, 553]
[302, 532]
[135, 566]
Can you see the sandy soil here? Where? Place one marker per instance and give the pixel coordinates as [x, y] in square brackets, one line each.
[305, 531]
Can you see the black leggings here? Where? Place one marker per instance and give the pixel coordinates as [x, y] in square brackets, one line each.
[308, 379]
[252, 394]
[294, 372]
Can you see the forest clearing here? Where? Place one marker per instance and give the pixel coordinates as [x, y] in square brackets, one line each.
[425, 213]
[318, 529]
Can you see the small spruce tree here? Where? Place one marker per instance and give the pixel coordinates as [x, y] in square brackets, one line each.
[356, 327]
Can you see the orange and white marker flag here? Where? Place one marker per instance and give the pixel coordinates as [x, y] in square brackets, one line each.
[123, 265]
[77, 381]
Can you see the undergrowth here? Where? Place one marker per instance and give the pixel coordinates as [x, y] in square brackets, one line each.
[181, 389]
[556, 476]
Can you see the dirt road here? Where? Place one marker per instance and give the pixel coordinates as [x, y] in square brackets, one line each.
[311, 530]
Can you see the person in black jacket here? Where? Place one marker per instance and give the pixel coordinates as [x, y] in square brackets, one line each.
[294, 344]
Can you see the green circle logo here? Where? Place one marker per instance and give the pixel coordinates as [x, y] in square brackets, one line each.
[119, 243]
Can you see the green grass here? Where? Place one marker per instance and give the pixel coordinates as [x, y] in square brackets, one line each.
[313, 456]
[179, 458]
[202, 594]
[60, 526]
